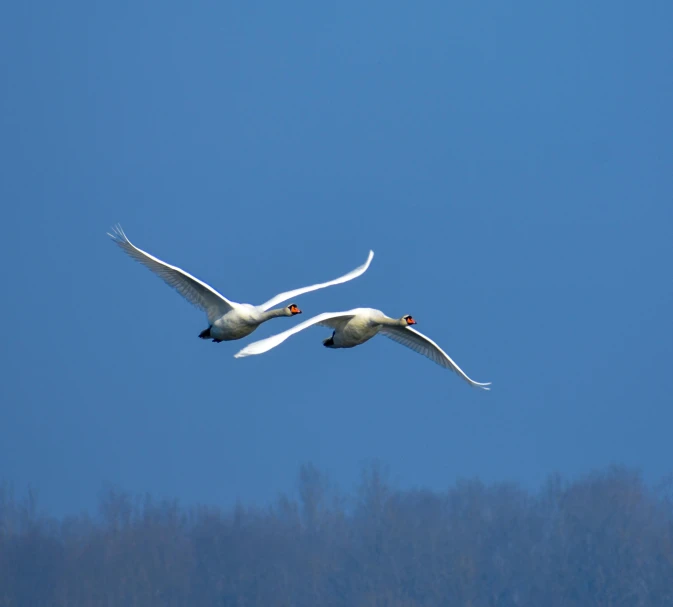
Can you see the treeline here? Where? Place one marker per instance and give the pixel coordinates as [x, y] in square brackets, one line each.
[606, 539]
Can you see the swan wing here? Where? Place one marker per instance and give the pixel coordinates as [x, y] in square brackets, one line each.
[424, 345]
[337, 281]
[192, 289]
[264, 345]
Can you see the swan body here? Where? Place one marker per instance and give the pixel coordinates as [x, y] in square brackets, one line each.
[227, 319]
[357, 326]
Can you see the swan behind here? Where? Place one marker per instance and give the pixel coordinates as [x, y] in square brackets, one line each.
[227, 319]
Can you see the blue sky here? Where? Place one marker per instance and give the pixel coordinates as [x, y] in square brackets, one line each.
[510, 165]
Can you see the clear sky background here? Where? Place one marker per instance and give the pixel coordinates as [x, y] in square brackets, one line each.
[510, 164]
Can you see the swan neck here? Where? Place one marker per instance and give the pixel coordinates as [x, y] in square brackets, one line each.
[393, 322]
[275, 313]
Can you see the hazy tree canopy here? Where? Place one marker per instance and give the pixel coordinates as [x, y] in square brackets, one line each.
[604, 540]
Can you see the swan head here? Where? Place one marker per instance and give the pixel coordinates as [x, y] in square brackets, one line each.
[408, 320]
[293, 310]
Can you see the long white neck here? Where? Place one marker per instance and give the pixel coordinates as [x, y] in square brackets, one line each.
[264, 316]
[392, 322]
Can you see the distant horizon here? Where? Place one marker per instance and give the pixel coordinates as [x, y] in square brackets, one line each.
[31, 494]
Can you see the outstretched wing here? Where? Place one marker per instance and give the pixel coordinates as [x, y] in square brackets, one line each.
[192, 289]
[264, 345]
[424, 345]
[337, 281]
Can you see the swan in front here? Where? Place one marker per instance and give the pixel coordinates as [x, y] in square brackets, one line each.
[357, 326]
[227, 320]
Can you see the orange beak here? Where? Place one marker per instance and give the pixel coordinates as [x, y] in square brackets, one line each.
[411, 321]
[295, 310]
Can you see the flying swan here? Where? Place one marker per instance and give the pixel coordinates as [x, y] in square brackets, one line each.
[357, 326]
[227, 320]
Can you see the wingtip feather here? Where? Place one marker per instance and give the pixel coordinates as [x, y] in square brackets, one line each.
[117, 234]
[247, 351]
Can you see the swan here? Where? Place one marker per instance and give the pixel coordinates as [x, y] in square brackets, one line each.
[357, 326]
[227, 320]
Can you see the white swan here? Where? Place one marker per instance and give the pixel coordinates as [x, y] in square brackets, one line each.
[357, 326]
[227, 319]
